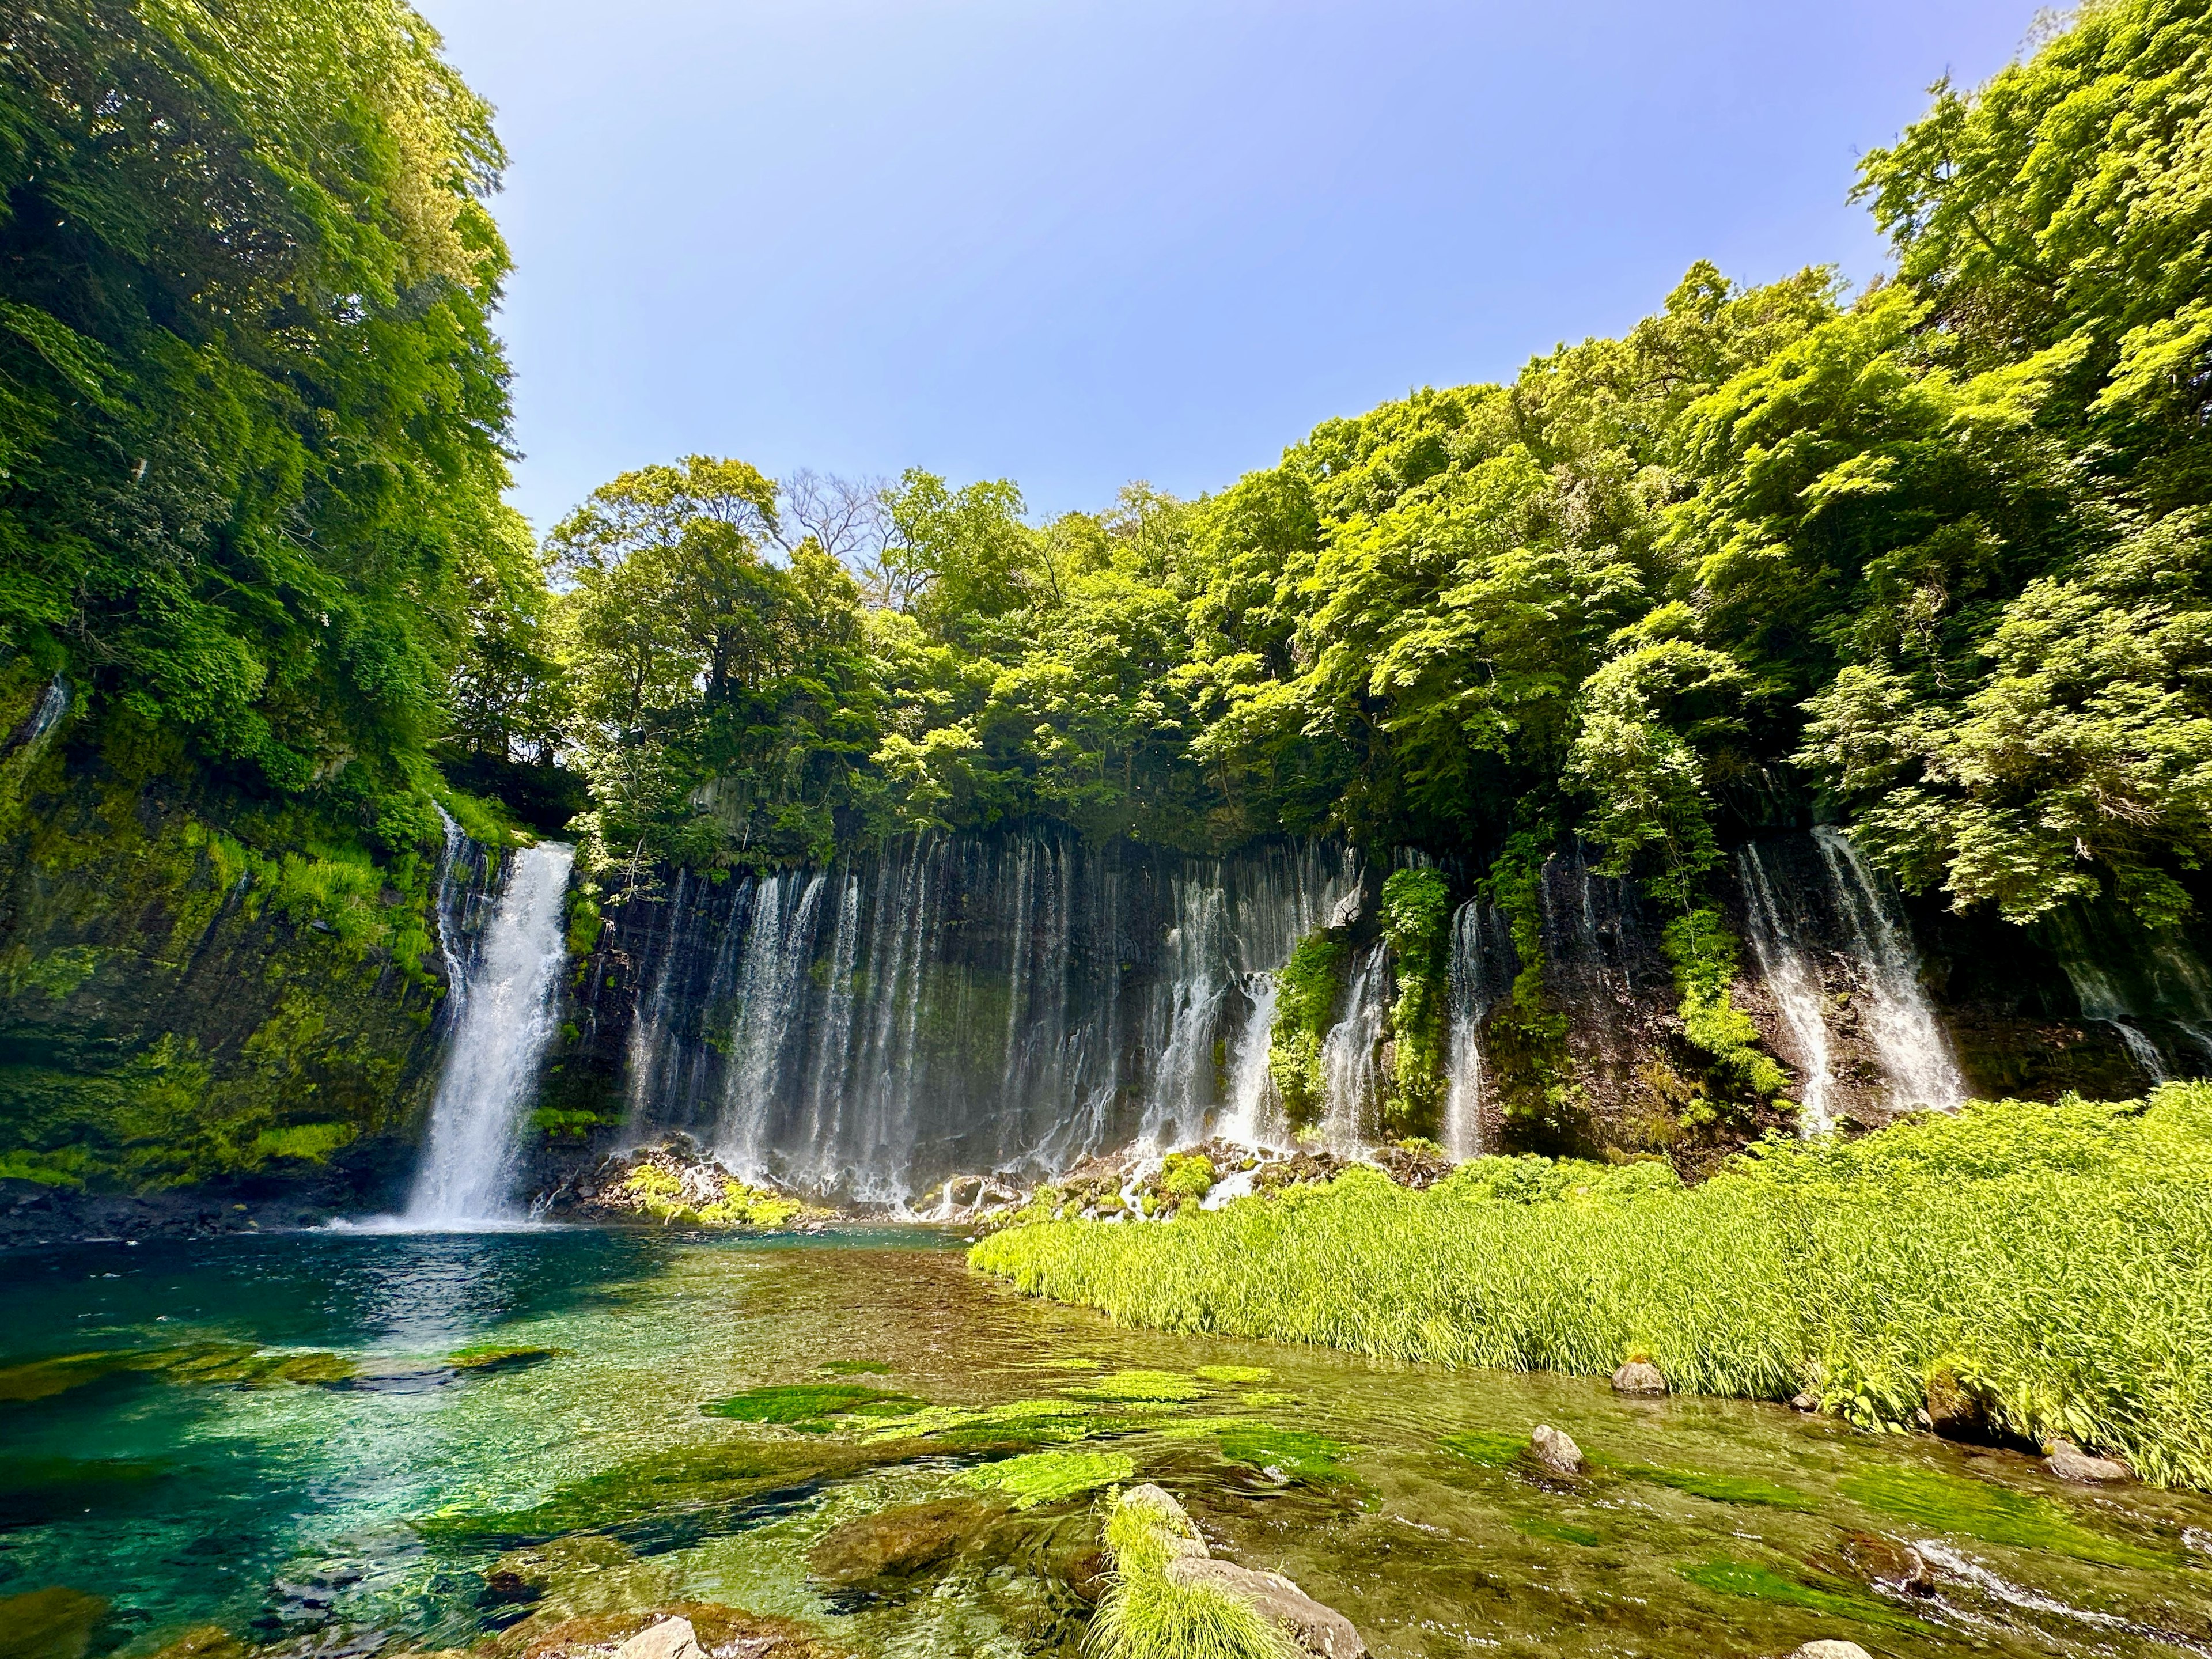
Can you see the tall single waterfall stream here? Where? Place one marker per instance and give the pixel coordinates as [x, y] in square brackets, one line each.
[502, 1023]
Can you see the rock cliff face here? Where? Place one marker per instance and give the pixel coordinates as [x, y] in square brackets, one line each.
[179, 1009]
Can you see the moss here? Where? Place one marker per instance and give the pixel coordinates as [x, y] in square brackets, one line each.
[1559, 1532]
[311, 1143]
[1046, 1477]
[1305, 1001]
[1720, 1488]
[1976, 1509]
[1753, 1581]
[1417, 922]
[1296, 1454]
[686, 1490]
[49, 1624]
[1233, 1373]
[1738, 1075]
[63, 1167]
[1494, 1451]
[801, 1403]
[1015, 1423]
[1140, 1385]
[1526, 1041]
[1187, 1175]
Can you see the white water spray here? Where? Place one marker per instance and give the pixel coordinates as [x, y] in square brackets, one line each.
[1915, 1056]
[1472, 995]
[502, 1029]
[1786, 962]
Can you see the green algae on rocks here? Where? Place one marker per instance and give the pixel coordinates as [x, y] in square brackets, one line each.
[1045, 1476]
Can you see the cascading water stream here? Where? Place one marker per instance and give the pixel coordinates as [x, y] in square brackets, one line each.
[1914, 1053]
[503, 1025]
[1475, 985]
[1792, 976]
[1351, 1118]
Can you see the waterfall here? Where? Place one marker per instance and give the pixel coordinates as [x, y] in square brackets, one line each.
[1915, 1056]
[2151, 987]
[1351, 1120]
[1792, 976]
[1182, 1085]
[48, 714]
[966, 1005]
[1479, 973]
[503, 1027]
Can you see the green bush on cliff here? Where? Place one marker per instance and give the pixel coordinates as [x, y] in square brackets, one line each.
[1417, 914]
[2049, 1255]
[1306, 994]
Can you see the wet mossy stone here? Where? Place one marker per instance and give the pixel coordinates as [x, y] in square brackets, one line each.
[717, 1629]
[806, 1406]
[237, 1364]
[1753, 1582]
[1978, 1508]
[55, 1623]
[487, 1358]
[1045, 1476]
[663, 1501]
[899, 1543]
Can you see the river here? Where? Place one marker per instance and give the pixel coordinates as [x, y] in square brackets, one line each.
[272, 1434]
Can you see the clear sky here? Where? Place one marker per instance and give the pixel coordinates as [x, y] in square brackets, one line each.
[1074, 242]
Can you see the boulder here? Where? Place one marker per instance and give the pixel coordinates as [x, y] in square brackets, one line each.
[671, 1638]
[1885, 1561]
[1556, 1450]
[1639, 1376]
[897, 1543]
[1321, 1631]
[2069, 1463]
[1805, 1402]
[1184, 1541]
[1830, 1648]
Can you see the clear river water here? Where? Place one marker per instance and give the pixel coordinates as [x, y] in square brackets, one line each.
[352, 1442]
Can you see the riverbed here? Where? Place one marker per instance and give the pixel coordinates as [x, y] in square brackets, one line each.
[348, 1443]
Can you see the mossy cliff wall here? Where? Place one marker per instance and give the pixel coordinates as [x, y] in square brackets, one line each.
[196, 988]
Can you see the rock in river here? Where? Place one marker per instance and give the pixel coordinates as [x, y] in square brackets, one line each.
[1830, 1648]
[672, 1638]
[1556, 1450]
[1322, 1631]
[1639, 1376]
[2069, 1463]
[897, 1543]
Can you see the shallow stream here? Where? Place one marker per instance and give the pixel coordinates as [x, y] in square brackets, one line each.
[290, 1436]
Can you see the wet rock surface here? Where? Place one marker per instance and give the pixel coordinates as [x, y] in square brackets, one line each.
[2069, 1463]
[1556, 1450]
[1639, 1376]
[897, 1543]
[1320, 1630]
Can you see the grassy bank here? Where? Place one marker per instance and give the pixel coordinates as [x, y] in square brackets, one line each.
[2049, 1266]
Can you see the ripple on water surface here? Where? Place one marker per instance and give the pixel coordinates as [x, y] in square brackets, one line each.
[437, 1437]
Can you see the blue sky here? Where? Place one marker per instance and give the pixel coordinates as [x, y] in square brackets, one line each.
[1074, 243]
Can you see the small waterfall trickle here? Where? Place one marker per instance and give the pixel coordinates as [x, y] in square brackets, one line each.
[1183, 1084]
[2143, 985]
[779, 946]
[1351, 1116]
[1481, 971]
[1251, 1120]
[1914, 1053]
[1792, 976]
[52, 707]
[503, 1026]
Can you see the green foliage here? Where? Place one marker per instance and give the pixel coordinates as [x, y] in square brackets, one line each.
[1146, 1616]
[1527, 1038]
[1738, 1073]
[1187, 1175]
[2047, 1251]
[1417, 912]
[1306, 1002]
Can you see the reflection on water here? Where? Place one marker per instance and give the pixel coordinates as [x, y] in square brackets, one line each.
[521, 1410]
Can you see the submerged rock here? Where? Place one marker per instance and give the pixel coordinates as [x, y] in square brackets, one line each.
[672, 1638]
[1320, 1630]
[1639, 1376]
[897, 1543]
[1556, 1450]
[1829, 1647]
[2069, 1463]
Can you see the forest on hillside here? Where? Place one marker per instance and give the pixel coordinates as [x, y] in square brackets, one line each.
[1929, 560]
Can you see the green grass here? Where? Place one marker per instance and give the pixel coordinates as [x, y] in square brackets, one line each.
[1143, 1616]
[2052, 1254]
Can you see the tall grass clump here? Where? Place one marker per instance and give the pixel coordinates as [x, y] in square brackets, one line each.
[2054, 1262]
[1146, 1615]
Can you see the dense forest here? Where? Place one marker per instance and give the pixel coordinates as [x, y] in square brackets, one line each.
[1927, 559]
